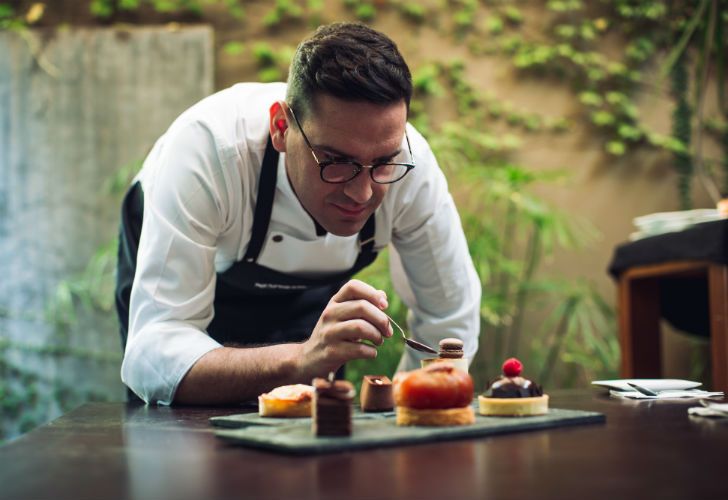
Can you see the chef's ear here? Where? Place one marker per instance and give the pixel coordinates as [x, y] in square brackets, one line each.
[278, 125]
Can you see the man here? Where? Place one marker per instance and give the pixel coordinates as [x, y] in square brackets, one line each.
[256, 207]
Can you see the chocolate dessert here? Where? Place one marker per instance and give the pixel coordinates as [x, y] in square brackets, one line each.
[332, 407]
[513, 395]
[376, 393]
[509, 385]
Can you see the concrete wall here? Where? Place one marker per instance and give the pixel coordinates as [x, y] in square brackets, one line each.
[75, 106]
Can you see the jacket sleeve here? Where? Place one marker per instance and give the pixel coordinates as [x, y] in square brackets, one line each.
[185, 206]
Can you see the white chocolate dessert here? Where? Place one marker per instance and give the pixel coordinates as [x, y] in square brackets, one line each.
[286, 401]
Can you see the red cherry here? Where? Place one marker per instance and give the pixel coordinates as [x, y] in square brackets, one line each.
[512, 367]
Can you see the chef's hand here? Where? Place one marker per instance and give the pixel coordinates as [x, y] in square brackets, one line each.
[354, 313]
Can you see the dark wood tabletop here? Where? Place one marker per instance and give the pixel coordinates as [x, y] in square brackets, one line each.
[644, 450]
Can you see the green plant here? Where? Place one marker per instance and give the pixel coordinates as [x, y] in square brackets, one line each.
[681, 129]
[510, 244]
[282, 11]
[413, 11]
[576, 336]
[272, 64]
[105, 9]
[568, 48]
[705, 29]
[233, 48]
[9, 19]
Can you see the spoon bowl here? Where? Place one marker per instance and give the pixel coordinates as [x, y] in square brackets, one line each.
[417, 346]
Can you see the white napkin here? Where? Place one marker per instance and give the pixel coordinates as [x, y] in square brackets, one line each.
[678, 394]
[710, 410]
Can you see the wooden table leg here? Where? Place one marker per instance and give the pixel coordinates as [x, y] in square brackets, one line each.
[718, 292]
[639, 327]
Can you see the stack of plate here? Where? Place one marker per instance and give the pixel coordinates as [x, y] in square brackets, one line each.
[666, 222]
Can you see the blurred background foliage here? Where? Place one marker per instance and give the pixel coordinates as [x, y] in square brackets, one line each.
[512, 232]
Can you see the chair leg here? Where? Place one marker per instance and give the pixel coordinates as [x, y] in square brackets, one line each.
[718, 292]
[639, 327]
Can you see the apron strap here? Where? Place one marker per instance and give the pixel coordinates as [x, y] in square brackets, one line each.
[263, 203]
[366, 236]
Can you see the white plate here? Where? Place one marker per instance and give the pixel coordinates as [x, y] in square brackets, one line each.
[654, 384]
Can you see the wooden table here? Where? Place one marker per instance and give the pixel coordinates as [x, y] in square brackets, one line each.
[127, 450]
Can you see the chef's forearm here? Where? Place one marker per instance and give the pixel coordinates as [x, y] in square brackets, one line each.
[231, 375]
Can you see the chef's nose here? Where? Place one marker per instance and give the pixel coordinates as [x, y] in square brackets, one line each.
[359, 188]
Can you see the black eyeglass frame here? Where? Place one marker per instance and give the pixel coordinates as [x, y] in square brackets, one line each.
[358, 167]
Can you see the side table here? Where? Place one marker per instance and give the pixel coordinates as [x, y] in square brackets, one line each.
[642, 270]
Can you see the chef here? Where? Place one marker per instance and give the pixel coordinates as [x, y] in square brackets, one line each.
[241, 233]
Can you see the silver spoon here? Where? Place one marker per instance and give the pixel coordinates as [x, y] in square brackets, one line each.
[417, 346]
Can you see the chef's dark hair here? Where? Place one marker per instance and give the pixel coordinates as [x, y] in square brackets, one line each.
[349, 61]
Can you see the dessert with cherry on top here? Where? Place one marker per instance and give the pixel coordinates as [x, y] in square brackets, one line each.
[512, 395]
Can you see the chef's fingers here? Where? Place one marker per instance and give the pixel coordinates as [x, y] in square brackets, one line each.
[360, 310]
[355, 330]
[356, 350]
[358, 290]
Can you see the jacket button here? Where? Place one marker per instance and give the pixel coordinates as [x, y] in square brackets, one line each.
[277, 238]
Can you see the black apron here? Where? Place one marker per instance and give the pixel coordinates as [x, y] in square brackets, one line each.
[253, 304]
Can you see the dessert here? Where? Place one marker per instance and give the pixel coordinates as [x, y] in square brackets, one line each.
[286, 401]
[451, 350]
[332, 402]
[376, 393]
[437, 395]
[722, 207]
[512, 395]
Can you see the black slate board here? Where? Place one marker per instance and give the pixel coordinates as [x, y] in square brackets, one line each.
[248, 419]
[297, 438]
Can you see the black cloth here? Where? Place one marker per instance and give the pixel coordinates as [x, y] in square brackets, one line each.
[253, 304]
[683, 300]
[705, 241]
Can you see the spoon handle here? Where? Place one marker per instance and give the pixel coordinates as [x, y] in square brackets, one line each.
[395, 324]
[417, 346]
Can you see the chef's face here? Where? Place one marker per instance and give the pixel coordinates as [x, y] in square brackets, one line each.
[337, 129]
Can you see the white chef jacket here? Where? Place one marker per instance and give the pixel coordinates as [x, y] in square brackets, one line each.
[200, 186]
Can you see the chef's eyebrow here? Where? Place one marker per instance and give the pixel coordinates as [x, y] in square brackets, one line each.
[341, 155]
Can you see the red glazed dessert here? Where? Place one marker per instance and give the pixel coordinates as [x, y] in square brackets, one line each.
[437, 395]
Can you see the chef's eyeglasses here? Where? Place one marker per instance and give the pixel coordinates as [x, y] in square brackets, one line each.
[339, 171]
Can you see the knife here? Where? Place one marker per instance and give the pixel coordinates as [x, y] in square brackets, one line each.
[642, 390]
